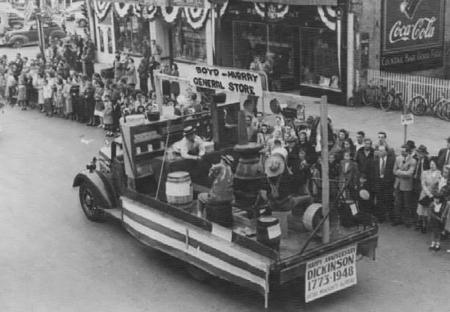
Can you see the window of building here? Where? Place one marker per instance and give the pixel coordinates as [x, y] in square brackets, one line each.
[132, 35]
[272, 48]
[188, 44]
[319, 58]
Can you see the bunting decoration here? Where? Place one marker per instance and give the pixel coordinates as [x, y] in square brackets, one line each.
[170, 14]
[122, 9]
[149, 12]
[274, 11]
[101, 9]
[196, 17]
[328, 16]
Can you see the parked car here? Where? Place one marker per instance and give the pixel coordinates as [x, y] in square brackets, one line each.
[29, 35]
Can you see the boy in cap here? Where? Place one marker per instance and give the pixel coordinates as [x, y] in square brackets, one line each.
[189, 147]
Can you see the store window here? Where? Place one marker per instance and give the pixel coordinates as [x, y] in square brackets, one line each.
[110, 41]
[132, 35]
[272, 48]
[188, 44]
[319, 58]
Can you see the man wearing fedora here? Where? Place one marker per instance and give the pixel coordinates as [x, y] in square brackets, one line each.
[422, 164]
[222, 187]
[278, 183]
[189, 147]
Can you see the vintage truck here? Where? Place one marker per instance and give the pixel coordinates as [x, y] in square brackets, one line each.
[127, 181]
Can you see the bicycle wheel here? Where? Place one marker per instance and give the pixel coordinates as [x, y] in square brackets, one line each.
[386, 102]
[418, 105]
[446, 110]
[437, 109]
[398, 101]
[368, 96]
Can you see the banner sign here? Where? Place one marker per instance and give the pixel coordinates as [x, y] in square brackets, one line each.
[234, 80]
[330, 273]
[413, 34]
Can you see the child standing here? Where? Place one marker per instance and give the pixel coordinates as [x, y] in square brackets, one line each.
[47, 91]
[59, 97]
[438, 211]
[108, 117]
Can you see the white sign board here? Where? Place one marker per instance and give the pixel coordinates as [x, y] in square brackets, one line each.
[330, 273]
[233, 80]
[407, 119]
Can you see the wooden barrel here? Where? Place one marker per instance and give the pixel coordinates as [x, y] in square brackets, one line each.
[268, 231]
[220, 213]
[179, 188]
[312, 216]
[248, 176]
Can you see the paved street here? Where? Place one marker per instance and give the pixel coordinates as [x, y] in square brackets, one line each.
[53, 259]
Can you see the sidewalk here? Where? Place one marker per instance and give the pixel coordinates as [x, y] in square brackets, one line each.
[427, 130]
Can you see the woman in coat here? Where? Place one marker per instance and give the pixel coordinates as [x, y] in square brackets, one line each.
[430, 184]
[348, 174]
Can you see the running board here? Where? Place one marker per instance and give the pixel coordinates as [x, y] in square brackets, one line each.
[116, 213]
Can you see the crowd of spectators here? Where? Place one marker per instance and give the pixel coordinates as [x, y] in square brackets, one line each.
[409, 188]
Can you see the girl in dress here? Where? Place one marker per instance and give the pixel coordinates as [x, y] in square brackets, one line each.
[59, 99]
[68, 109]
[438, 210]
[108, 117]
[430, 181]
[99, 106]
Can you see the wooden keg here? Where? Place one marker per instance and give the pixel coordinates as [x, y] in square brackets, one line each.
[268, 231]
[179, 188]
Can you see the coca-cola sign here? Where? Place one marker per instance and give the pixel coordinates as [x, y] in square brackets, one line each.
[411, 29]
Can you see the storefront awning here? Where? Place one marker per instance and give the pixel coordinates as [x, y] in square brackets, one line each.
[299, 2]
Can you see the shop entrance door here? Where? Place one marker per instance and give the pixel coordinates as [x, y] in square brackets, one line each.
[277, 48]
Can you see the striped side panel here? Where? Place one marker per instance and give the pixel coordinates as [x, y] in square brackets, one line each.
[199, 247]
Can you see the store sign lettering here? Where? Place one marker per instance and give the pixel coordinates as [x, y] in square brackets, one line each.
[226, 79]
[424, 28]
[413, 34]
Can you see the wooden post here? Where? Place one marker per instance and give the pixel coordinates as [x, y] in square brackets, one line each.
[325, 179]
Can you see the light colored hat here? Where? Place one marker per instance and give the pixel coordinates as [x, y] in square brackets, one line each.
[364, 194]
[274, 165]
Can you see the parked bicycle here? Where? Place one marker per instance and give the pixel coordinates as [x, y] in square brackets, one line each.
[421, 104]
[390, 99]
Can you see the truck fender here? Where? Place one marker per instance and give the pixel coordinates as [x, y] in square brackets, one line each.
[17, 37]
[101, 190]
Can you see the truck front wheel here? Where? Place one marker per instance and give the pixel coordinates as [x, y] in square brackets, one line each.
[87, 201]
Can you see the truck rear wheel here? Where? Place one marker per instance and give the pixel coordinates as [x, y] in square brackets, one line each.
[87, 201]
[18, 43]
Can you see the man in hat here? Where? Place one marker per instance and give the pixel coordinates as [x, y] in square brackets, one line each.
[278, 183]
[404, 168]
[222, 187]
[444, 156]
[189, 147]
[423, 163]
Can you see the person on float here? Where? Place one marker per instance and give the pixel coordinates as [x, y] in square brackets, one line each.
[277, 191]
[191, 146]
[222, 187]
